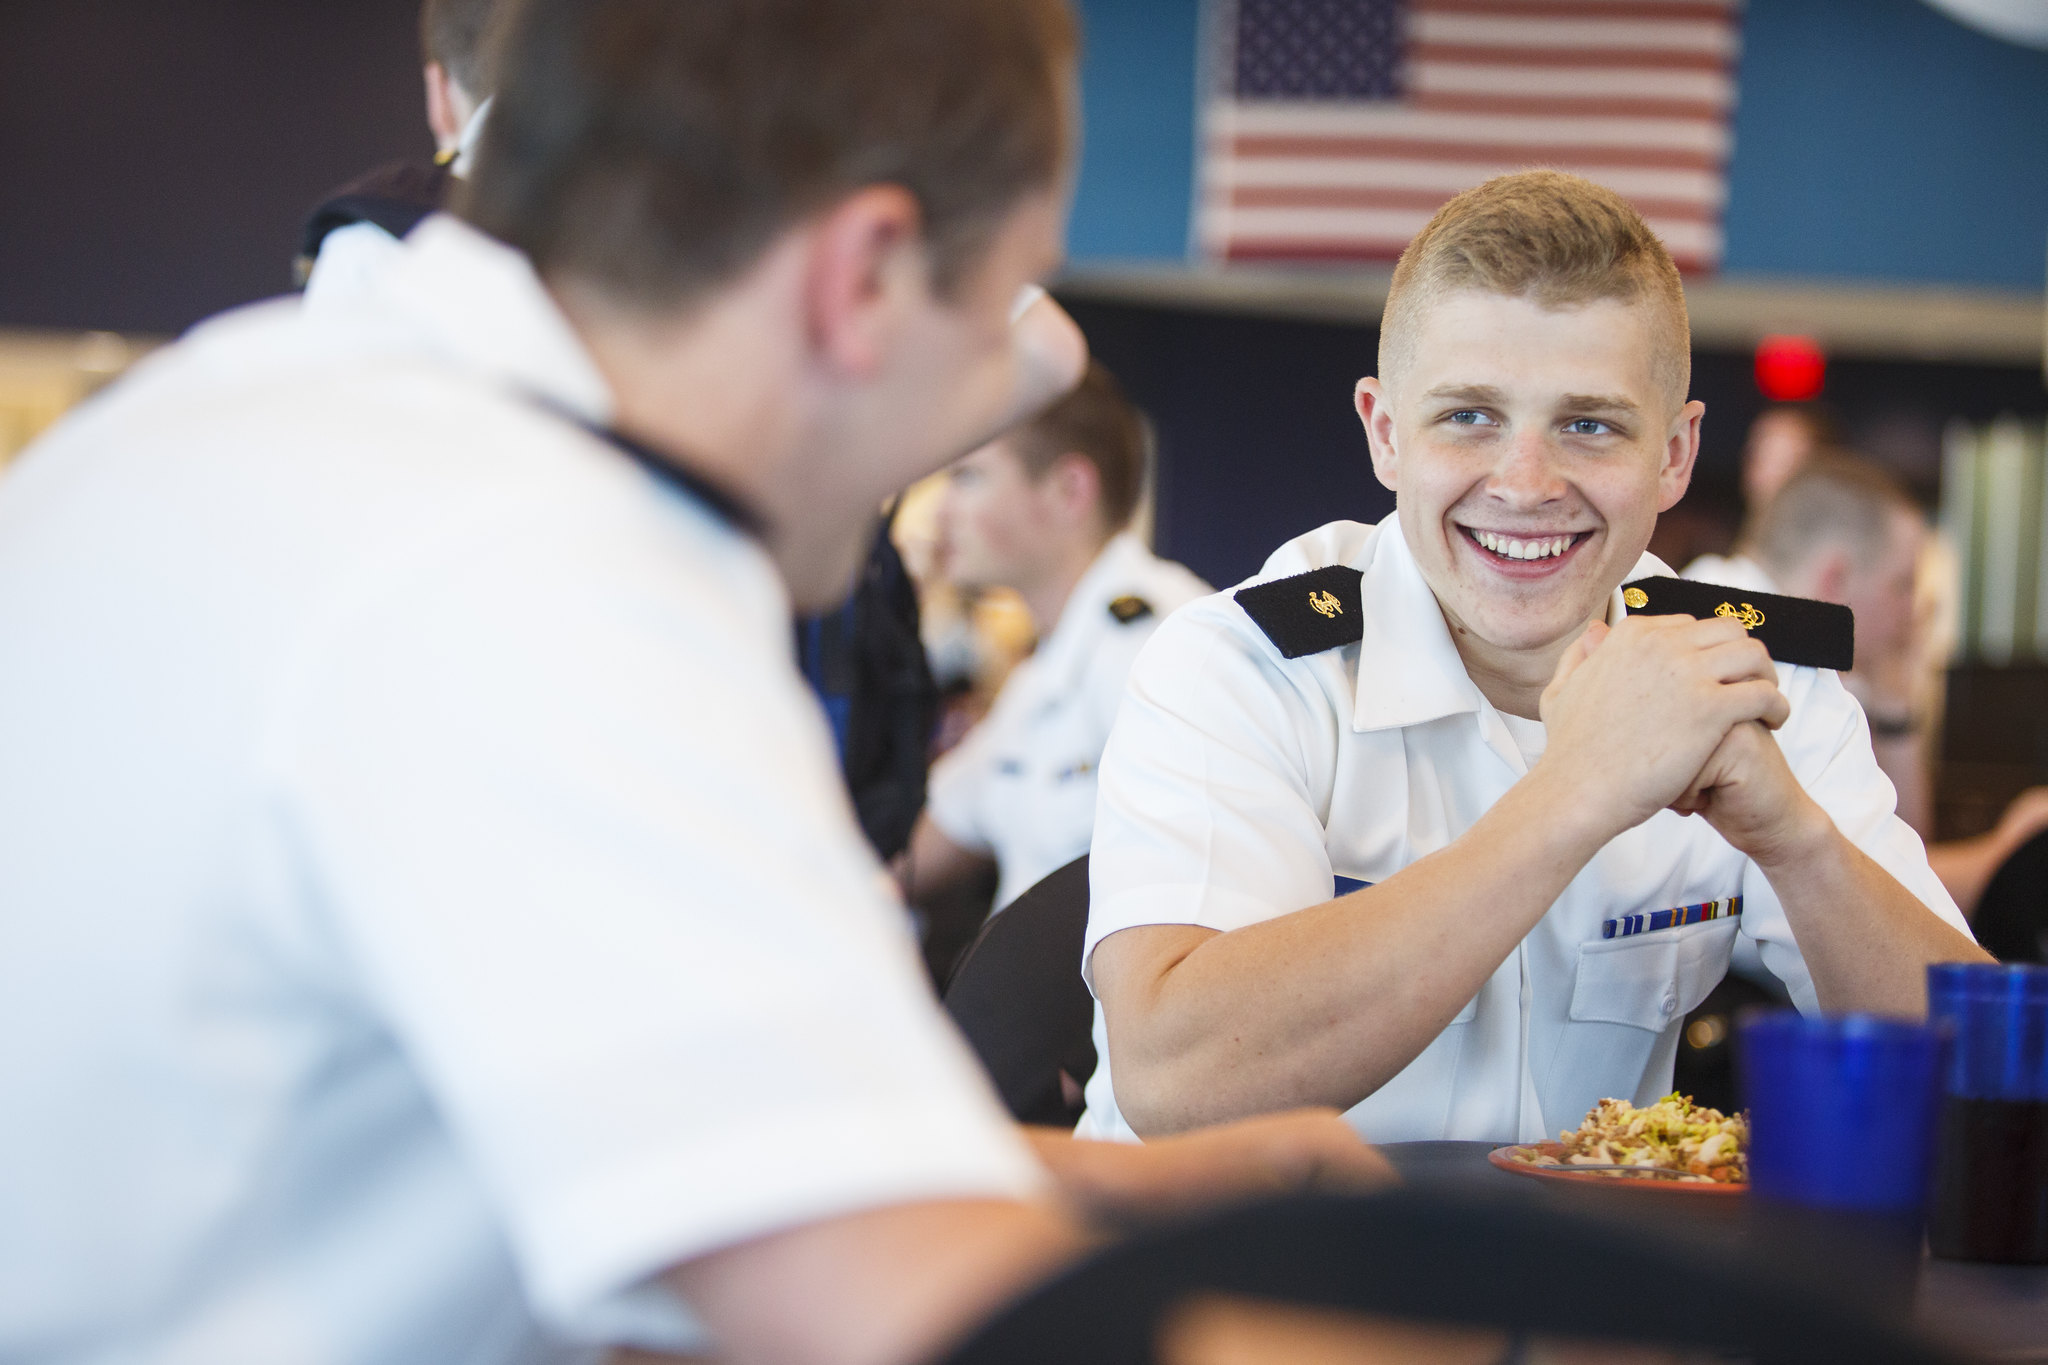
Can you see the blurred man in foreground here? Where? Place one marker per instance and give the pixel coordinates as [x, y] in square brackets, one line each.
[435, 928]
[1045, 511]
[1497, 712]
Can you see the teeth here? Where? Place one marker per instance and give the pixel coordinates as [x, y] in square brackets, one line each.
[1510, 548]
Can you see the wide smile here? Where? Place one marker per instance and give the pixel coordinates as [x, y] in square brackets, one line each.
[1522, 554]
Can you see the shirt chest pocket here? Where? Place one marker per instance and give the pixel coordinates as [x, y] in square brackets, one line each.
[1648, 981]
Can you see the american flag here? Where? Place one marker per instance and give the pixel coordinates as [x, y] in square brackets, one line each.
[1335, 128]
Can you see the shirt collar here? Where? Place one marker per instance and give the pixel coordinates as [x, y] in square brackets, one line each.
[1409, 671]
[480, 306]
[1064, 653]
[465, 142]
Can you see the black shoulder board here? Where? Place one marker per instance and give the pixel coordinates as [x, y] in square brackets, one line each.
[394, 197]
[1310, 612]
[1129, 609]
[1797, 630]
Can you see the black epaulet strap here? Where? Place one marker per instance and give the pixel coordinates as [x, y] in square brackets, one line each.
[1796, 630]
[1310, 612]
[394, 197]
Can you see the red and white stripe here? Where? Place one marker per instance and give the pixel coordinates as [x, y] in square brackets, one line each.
[1634, 94]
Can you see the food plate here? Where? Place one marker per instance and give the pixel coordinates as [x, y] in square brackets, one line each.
[1504, 1157]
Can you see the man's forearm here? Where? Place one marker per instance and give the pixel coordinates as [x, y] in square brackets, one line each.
[1273, 1154]
[888, 1286]
[1866, 939]
[1325, 1005]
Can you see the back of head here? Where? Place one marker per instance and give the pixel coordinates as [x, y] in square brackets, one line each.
[1099, 423]
[1559, 240]
[452, 33]
[652, 149]
[1835, 499]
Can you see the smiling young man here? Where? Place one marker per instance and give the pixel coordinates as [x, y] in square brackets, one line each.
[1459, 709]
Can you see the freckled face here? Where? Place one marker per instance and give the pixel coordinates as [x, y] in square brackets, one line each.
[1530, 450]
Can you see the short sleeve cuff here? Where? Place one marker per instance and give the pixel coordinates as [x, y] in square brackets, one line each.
[590, 1249]
[1207, 907]
[947, 803]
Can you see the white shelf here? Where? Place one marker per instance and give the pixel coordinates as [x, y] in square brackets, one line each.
[1928, 323]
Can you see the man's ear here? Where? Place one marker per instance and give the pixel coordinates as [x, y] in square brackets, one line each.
[1828, 574]
[1076, 484]
[1681, 449]
[1369, 397]
[866, 269]
[444, 113]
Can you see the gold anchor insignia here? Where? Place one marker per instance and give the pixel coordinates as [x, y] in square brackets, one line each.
[1326, 604]
[1749, 617]
[1635, 599]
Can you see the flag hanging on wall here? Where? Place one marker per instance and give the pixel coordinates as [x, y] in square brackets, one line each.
[1335, 128]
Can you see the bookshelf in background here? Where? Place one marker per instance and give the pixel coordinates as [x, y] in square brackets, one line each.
[1994, 507]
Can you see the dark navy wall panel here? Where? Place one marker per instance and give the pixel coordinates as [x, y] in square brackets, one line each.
[157, 159]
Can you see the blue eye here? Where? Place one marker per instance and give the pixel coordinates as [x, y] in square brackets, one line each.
[1466, 417]
[1587, 426]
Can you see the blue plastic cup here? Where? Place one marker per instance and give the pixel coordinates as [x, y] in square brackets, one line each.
[1991, 1188]
[1842, 1110]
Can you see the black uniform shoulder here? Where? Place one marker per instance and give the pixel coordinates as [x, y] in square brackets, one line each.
[1796, 630]
[1310, 612]
[394, 197]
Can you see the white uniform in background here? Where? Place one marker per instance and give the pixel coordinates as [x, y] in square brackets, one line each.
[1021, 786]
[351, 257]
[430, 903]
[1732, 571]
[1240, 784]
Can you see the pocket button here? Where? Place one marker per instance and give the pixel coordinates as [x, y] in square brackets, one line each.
[1669, 1005]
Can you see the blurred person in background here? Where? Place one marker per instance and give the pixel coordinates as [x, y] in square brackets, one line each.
[1699, 531]
[355, 231]
[435, 929]
[1045, 511]
[1842, 529]
[1781, 440]
[865, 658]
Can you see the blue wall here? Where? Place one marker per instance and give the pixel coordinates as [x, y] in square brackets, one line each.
[1876, 139]
[1138, 103]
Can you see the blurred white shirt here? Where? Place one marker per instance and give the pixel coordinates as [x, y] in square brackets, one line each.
[1021, 786]
[428, 902]
[1239, 785]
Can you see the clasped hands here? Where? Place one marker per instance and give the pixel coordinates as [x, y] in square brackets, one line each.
[1671, 712]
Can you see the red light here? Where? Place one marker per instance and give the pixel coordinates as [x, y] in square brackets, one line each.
[1790, 369]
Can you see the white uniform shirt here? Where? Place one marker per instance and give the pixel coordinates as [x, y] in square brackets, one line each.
[428, 901]
[1238, 785]
[1734, 571]
[1021, 786]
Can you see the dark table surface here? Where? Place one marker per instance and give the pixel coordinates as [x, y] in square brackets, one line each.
[1994, 1312]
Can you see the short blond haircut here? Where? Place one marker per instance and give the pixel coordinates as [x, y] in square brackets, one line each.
[1558, 240]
